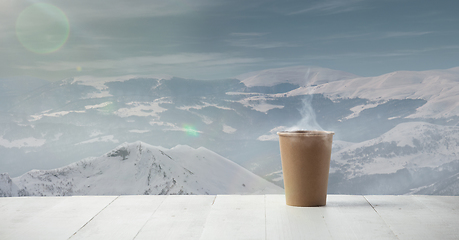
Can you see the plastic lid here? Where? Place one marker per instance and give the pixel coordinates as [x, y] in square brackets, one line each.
[304, 132]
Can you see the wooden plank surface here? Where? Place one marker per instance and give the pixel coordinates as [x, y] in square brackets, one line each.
[48, 217]
[344, 217]
[236, 217]
[286, 222]
[352, 217]
[178, 217]
[122, 219]
[228, 217]
[418, 217]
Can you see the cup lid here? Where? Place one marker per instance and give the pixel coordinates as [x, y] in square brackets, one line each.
[305, 133]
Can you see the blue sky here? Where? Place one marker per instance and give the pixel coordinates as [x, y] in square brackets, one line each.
[214, 39]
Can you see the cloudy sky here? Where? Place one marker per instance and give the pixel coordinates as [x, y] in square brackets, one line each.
[213, 39]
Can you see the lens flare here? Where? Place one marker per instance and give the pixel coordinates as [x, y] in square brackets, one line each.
[190, 130]
[109, 108]
[42, 28]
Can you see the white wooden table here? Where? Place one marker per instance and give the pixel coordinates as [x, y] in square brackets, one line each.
[228, 217]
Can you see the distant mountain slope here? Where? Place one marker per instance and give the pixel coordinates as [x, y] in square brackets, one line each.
[448, 186]
[139, 168]
[413, 144]
[407, 159]
[20, 85]
[298, 75]
[16, 88]
[439, 88]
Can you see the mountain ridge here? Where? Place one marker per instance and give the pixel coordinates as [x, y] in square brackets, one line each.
[139, 168]
[297, 75]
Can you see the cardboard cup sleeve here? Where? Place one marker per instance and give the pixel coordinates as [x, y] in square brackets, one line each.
[305, 157]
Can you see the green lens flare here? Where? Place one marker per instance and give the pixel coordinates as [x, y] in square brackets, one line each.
[109, 108]
[190, 130]
[42, 28]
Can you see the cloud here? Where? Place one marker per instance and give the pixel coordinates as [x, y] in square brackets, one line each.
[395, 53]
[248, 34]
[84, 14]
[250, 43]
[171, 62]
[203, 66]
[255, 40]
[374, 35]
[91, 10]
[128, 9]
[331, 7]
[353, 36]
[404, 34]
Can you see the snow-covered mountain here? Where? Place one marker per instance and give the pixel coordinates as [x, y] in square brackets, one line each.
[448, 186]
[409, 156]
[299, 75]
[139, 168]
[439, 88]
[60, 123]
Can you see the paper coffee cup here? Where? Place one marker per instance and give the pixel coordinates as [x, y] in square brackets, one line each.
[305, 157]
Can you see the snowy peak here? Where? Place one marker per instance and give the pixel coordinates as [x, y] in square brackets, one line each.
[139, 168]
[299, 75]
[6, 185]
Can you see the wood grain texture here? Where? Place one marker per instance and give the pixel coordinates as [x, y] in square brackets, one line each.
[48, 217]
[178, 217]
[228, 217]
[344, 217]
[236, 217]
[419, 217]
[122, 219]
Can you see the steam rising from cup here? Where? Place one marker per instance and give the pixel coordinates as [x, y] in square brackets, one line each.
[308, 120]
[308, 116]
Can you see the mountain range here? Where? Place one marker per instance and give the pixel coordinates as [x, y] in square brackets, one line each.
[141, 169]
[394, 133]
